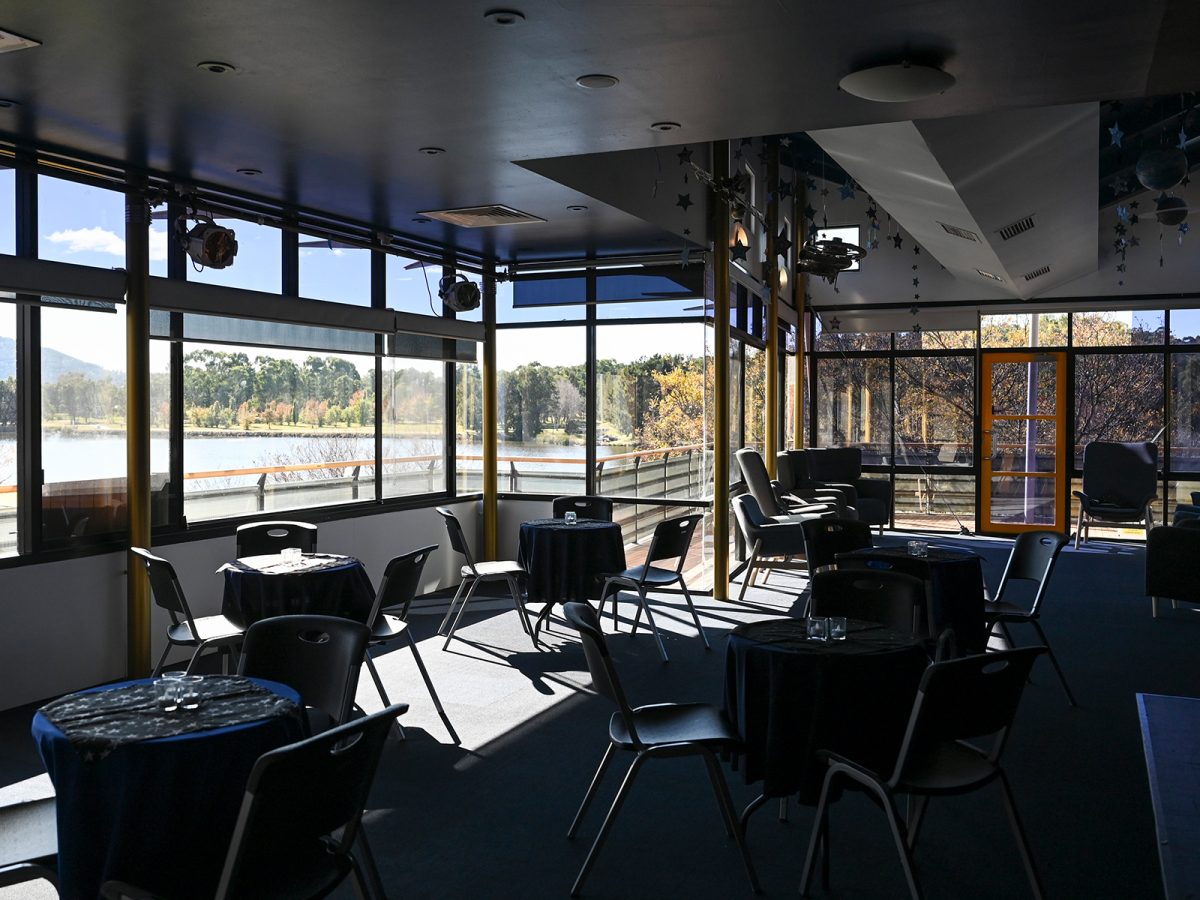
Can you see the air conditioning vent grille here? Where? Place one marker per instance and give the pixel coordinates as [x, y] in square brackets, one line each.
[1037, 273]
[1008, 232]
[481, 216]
[960, 232]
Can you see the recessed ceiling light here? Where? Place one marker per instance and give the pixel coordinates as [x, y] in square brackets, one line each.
[217, 68]
[8, 104]
[421, 220]
[898, 83]
[504, 18]
[249, 171]
[431, 151]
[597, 82]
[577, 207]
[665, 126]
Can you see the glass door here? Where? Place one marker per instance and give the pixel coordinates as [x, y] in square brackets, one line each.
[1025, 463]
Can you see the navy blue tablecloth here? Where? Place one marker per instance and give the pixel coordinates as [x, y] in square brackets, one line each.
[564, 561]
[259, 587]
[790, 697]
[157, 813]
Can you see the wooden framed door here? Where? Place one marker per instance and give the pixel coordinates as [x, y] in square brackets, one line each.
[1026, 470]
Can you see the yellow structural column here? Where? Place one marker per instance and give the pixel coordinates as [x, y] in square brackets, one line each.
[720, 269]
[800, 301]
[137, 426]
[491, 418]
[771, 273]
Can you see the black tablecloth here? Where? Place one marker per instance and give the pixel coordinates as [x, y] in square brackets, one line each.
[259, 587]
[953, 587]
[563, 561]
[789, 697]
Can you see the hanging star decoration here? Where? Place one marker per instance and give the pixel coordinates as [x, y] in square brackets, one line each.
[1133, 219]
[1134, 241]
[786, 188]
[1121, 267]
[1116, 134]
[917, 249]
[824, 192]
[813, 231]
[1133, 205]
[809, 212]
[847, 191]
[1182, 138]
[687, 231]
[783, 243]
[685, 156]
[897, 240]
[834, 324]
[1119, 228]
[1123, 213]
[738, 252]
[872, 212]
[1118, 244]
[810, 184]
[916, 282]
[1183, 229]
[684, 201]
[1120, 185]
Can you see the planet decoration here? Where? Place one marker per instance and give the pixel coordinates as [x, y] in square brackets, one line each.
[1161, 169]
[1171, 210]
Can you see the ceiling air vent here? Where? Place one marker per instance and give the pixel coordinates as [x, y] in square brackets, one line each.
[1037, 273]
[481, 216]
[960, 232]
[989, 275]
[1008, 232]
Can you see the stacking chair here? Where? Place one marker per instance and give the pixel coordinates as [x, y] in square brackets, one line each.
[661, 730]
[959, 700]
[772, 544]
[671, 540]
[401, 581]
[824, 539]
[319, 656]
[299, 832]
[473, 574]
[1032, 559]
[185, 629]
[584, 507]
[1171, 554]
[873, 595]
[263, 538]
[1120, 482]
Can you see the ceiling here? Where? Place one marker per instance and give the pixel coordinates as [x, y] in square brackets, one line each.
[333, 101]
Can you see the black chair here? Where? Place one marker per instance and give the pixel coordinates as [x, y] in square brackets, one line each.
[263, 538]
[959, 700]
[1171, 555]
[473, 574]
[772, 544]
[1120, 482]
[185, 629]
[759, 484]
[824, 539]
[584, 507]
[671, 540]
[319, 656]
[1032, 559]
[841, 467]
[889, 598]
[401, 581]
[1187, 511]
[791, 474]
[30, 870]
[299, 832]
[661, 730]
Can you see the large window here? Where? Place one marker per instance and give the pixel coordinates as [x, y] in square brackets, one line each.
[1118, 397]
[854, 406]
[8, 206]
[468, 427]
[414, 427]
[1023, 330]
[935, 410]
[258, 265]
[81, 224]
[8, 429]
[333, 271]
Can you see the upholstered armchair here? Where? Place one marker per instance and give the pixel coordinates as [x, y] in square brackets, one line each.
[1120, 481]
[841, 468]
[1171, 554]
[758, 482]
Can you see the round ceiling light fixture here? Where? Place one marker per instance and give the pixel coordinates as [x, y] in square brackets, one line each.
[431, 151]
[249, 171]
[504, 18]
[5, 103]
[217, 68]
[597, 82]
[577, 207]
[897, 83]
[421, 220]
[665, 126]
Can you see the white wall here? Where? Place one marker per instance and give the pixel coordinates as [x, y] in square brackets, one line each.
[62, 624]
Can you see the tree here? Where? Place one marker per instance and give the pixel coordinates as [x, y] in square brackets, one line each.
[676, 416]
[570, 405]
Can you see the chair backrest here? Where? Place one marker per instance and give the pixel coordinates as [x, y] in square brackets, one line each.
[791, 469]
[672, 538]
[962, 699]
[749, 516]
[1033, 556]
[319, 656]
[758, 482]
[582, 617]
[1171, 554]
[584, 507]
[834, 464]
[458, 540]
[1121, 474]
[262, 538]
[165, 587]
[305, 799]
[824, 539]
[400, 583]
[874, 595]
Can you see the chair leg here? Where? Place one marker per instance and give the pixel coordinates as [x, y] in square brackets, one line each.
[200, 648]
[783, 809]
[749, 576]
[162, 659]
[644, 604]
[1054, 659]
[461, 609]
[820, 831]
[462, 586]
[522, 613]
[1154, 607]
[1019, 833]
[370, 664]
[1079, 528]
[591, 791]
[916, 815]
[366, 874]
[687, 596]
[889, 807]
[437, 703]
[607, 826]
[604, 595]
[725, 802]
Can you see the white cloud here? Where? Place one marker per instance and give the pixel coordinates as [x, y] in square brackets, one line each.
[158, 244]
[100, 240]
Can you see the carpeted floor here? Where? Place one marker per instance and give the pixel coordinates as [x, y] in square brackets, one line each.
[487, 819]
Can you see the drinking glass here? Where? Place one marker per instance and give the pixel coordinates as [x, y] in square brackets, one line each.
[818, 628]
[570, 518]
[837, 628]
[167, 690]
[918, 548]
[189, 691]
[291, 554]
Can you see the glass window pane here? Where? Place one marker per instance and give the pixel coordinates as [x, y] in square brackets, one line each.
[831, 337]
[854, 401]
[8, 210]
[1010, 388]
[506, 312]
[414, 417]
[934, 501]
[650, 410]
[935, 410]
[468, 428]
[333, 271]
[258, 265]
[1100, 379]
[1181, 492]
[935, 340]
[1117, 329]
[413, 287]
[275, 430]
[81, 224]
[756, 399]
[160, 432]
[1021, 501]
[542, 409]
[1185, 326]
[1023, 330]
[83, 423]
[1185, 412]
[8, 427]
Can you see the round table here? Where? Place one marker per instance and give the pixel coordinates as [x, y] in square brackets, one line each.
[156, 812]
[789, 697]
[259, 587]
[564, 561]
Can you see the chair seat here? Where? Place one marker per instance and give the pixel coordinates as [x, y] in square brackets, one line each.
[387, 628]
[993, 611]
[499, 568]
[948, 769]
[210, 628]
[670, 723]
[653, 575]
[1115, 513]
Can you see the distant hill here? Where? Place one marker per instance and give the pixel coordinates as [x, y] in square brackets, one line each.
[54, 364]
